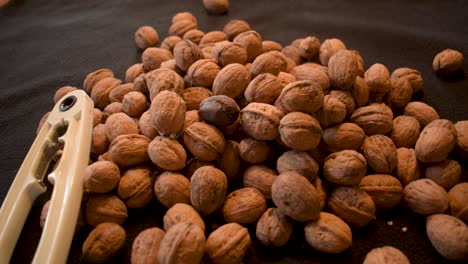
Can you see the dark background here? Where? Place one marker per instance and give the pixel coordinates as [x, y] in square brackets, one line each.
[48, 44]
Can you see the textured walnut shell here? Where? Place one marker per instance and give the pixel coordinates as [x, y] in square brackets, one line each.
[346, 167]
[446, 173]
[411, 75]
[264, 88]
[360, 92]
[261, 178]
[385, 190]
[342, 69]
[169, 42]
[103, 243]
[184, 243]
[226, 53]
[400, 93]
[145, 247]
[212, 37]
[163, 80]
[219, 110]
[448, 62]
[94, 77]
[101, 177]
[171, 65]
[112, 108]
[98, 117]
[191, 117]
[118, 93]
[134, 104]
[343, 136]
[182, 26]
[194, 35]
[186, 53]
[309, 47]
[202, 73]
[172, 188]
[296, 197]
[251, 41]
[425, 197]
[407, 169]
[381, 153]
[62, 91]
[434, 144]
[458, 201]
[321, 189]
[235, 27]
[353, 205]
[228, 244]
[328, 48]
[184, 16]
[261, 121]
[101, 90]
[300, 96]
[230, 161]
[346, 98]
[99, 143]
[422, 112]
[193, 96]
[269, 45]
[373, 119]
[102, 208]
[272, 62]
[152, 58]
[377, 78]
[332, 112]
[405, 131]
[328, 234]
[273, 228]
[128, 150]
[136, 187]
[244, 206]
[300, 131]
[462, 137]
[167, 153]
[293, 54]
[448, 235]
[204, 141]
[193, 165]
[146, 36]
[386, 255]
[254, 151]
[304, 72]
[133, 71]
[139, 84]
[299, 162]
[168, 113]
[208, 187]
[231, 80]
[286, 78]
[147, 129]
[182, 213]
[360, 62]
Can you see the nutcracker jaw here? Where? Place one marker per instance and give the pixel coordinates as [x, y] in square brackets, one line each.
[69, 123]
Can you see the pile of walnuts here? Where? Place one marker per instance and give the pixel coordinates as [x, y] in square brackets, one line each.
[311, 136]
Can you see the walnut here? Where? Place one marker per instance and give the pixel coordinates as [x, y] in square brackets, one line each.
[273, 228]
[216, 6]
[346, 167]
[136, 187]
[343, 69]
[62, 91]
[353, 205]
[328, 48]
[112, 108]
[300, 96]
[167, 153]
[264, 88]
[422, 112]
[228, 244]
[172, 188]
[194, 164]
[101, 90]
[235, 27]
[385, 190]
[462, 137]
[374, 119]
[145, 247]
[168, 113]
[377, 78]
[219, 110]
[193, 96]
[333, 111]
[164, 80]
[296, 197]
[300, 131]
[261, 178]
[101, 177]
[103, 243]
[129, 150]
[425, 197]
[244, 206]
[386, 255]
[98, 117]
[152, 58]
[182, 26]
[251, 41]
[186, 53]
[182, 213]
[299, 162]
[448, 62]
[208, 187]
[230, 161]
[139, 84]
[360, 92]
[434, 144]
[184, 243]
[120, 124]
[270, 62]
[343, 136]
[360, 63]
[411, 75]
[204, 141]
[261, 121]
[226, 52]
[448, 235]
[146, 36]
[190, 118]
[309, 47]
[99, 143]
[346, 98]
[184, 16]
[458, 201]
[133, 71]
[118, 93]
[446, 173]
[212, 37]
[293, 54]
[134, 104]
[194, 35]
[381, 153]
[400, 93]
[286, 78]
[254, 151]
[102, 208]
[94, 77]
[269, 45]
[146, 126]
[304, 72]
[407, 169]
[202, 73]
[231, 80]
[171, 65]
[169, 43]
[405, 131]
[328, 234]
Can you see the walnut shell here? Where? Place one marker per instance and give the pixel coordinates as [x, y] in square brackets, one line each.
[328, 234]
[202, 73]
[101, 91]
[353, 205]
[385, 190]
[118, 93]
[254, 151]
[272, 62]
[62, 91]
[145, 37]
[235, 27]
[94, 77]
[112, 108]
[193, 96]
[405, 131]
[360, 62]
[219, 110]
[231, 80]
[182, 213]
[434, 144]
[134, 104]
[208, 187]
[212, 37]
[167, 153]
[400, 93]
[343, 136]
[99, 143]
[101, 208]
[293, 54]
[462, 137]
[103, 243]
[226, 53]
[147, 127]
[458, 201]
[304, 72]
[145, 247]
[168, 113]
[309, 47]
[360, 92]
[133, 71]
[300, 96]
[251, 41]
[411, 75]
[128, 150]
[261, 121]
[193, 165]
[152, 58]
[261, 178]
[381, 153]
[346, 98]
[407, 169]
[448, 62]
[184, 243]
[448, 235]
[422, 112]
[346, 167]
[101, 177]
[386, 255]
[328, 48]
[273, 228]
[264, 88]
[446, 173]
[172, 188]
[342, 69]
[194, 35]
[296, 197]
[204, 141]
[136, 187]
[184, 16]
[269, 45]
[169, 42]
[182, 26]
[300, 131]
[374, 119]
[299, 162]
[244, 206]
[230, 161]
[332, 112]
[377, 78]
[186, 53]
[228, 244]
[164, 80]
[425, 197]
